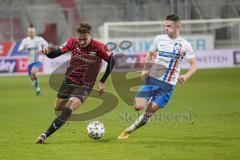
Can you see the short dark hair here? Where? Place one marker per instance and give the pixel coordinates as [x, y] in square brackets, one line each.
[83, 28]
[173, 17]
[31, 25]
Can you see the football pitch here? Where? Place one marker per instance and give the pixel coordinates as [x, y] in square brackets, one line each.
[201, 121]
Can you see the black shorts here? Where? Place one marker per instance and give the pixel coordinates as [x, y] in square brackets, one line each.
[69, 89]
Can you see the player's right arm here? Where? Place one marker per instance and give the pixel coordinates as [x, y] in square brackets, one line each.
[66, 47]
[23, 46]
[192, 62]
[51, 53]
[148, 60]
[147, 65]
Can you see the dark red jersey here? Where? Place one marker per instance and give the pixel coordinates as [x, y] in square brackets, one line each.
[85, 62]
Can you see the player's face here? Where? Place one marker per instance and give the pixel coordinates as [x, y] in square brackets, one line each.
[31, 32]
[84, 39]
[172, 28]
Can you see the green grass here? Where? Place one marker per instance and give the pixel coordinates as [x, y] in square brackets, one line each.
[213, 132]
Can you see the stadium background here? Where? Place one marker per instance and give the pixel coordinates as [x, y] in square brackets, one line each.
[212, 27]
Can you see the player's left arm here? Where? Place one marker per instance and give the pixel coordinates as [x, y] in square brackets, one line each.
[43, 43]
[193, 64]
[51, 53]
[193, 68]
[54, 53]
[109, 58]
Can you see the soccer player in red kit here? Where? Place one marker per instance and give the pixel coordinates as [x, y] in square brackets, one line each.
[81, 74]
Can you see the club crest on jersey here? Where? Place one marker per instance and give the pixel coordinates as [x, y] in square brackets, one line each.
[178, 47]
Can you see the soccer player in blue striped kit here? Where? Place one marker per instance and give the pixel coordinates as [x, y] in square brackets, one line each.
[161, 77]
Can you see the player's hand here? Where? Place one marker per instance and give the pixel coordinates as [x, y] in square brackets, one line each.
[100, 88]
[44, 51]
[25, 47]
[182, 79]
[144, 75]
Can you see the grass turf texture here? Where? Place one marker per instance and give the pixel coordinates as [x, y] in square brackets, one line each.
[212, 131]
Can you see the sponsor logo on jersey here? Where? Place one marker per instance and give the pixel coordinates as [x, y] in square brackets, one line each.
[93, 54]
[169, 54]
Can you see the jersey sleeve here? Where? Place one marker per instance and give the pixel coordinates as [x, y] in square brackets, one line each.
[67, 46]
[189, 51]
[104, 53]
[43, 43]
[20, 48]
[153, 47]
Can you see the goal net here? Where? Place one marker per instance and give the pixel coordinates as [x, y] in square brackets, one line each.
[222, 33]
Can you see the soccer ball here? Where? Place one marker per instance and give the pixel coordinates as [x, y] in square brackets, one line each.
[95, 130]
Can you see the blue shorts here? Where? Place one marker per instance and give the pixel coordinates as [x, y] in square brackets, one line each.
[36, 64]
[160, 91]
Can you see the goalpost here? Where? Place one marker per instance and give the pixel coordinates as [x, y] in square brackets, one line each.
[225, 33]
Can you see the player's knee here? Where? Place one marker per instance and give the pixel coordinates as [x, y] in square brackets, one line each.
[74, 103]
[34, 71]
[138, 107]
[58, 108]
[139, 104]
[74, 100]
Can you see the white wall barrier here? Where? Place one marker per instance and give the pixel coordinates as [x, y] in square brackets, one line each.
[226, 58]
[216, 59]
